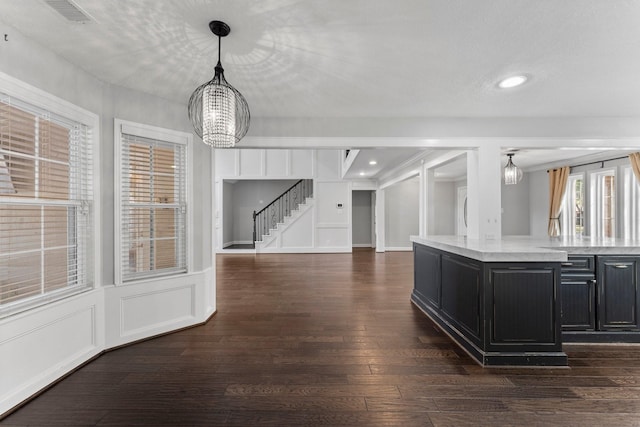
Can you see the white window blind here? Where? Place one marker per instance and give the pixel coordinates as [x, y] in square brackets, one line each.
[573, 209]
[603, 204]
[153, 207]
[46, 187]
[631, 203]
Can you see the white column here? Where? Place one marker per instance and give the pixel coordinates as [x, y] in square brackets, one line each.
[484, 193]
[429, 200]
[422, 202]
[380, 221]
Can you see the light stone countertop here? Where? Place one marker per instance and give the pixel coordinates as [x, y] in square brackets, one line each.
[528, 249]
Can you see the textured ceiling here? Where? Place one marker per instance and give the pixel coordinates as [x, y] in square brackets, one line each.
[362, 58]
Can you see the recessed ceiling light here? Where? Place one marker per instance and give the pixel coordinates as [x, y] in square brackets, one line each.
[512, 81]
[373, 162]
[361, 173]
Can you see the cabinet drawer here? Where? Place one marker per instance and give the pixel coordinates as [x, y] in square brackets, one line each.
[579, 263]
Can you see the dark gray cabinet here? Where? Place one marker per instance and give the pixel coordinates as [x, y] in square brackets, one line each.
[577, 293]
[618, 294]
[426, 272]
[578, 298]
[461, 295]
[501, 313]
[600, 299]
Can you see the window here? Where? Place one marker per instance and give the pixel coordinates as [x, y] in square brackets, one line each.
[631, 204]
[603, 204]
[153, 202]
[46, 208]
[573, 207]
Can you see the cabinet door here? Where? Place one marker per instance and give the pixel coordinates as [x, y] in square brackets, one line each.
[577, 300]
[426, 269]
[618, 294]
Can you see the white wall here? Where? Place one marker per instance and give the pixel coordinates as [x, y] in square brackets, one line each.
[227, 202]
[333, 216]
[401, 213]
[515, 208]
[259, 164]
[40, 345]
[538, 203]
[445, 208]
[361, 219]
[516, 204]
[248, 196]
[333, 222]
[330, 224]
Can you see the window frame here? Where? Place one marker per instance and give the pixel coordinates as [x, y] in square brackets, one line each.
[163, 135]
[568, 217]
[40, 99]
[596, 202]
[630, 205]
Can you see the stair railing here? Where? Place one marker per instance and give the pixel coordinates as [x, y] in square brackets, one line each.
[274, 213]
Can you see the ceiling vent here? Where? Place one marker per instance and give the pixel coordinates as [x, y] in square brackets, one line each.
[69, 10]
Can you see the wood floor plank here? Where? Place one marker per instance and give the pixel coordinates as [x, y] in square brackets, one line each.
[333, 343]
[547, 381]
[485, 391]
[519, 419]
[385, 404]
[431, 379]
[598, 393]
[334, 419]
[575, 371]
[417, 369]
[575, 406]
[175, 417]
[312, 390]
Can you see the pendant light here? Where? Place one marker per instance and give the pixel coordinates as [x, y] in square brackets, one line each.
[511, 173]
[218, 112]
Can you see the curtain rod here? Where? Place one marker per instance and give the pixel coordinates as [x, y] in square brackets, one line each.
[593, 163]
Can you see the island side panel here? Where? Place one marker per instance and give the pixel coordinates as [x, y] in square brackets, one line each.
[427, 283]
[525, 309]
[502, 313]
[462, 295]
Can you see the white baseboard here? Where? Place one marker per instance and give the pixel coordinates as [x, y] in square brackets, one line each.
[398, 248]
[302, 250]
[237, 242]
[361, 245]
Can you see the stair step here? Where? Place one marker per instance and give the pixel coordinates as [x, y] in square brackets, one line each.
[287, 218]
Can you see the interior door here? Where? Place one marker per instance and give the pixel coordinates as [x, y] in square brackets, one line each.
[461, 208]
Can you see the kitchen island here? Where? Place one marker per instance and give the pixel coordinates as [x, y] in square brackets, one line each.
[507, 303]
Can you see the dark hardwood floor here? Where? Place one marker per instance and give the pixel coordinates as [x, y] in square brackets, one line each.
[330, 339]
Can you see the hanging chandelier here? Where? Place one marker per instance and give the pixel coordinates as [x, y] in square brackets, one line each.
[218, 112]
[511, 173]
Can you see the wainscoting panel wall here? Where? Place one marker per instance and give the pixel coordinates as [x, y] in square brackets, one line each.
[277, 162]
[146, 308]
[295, 235]
[324, 228]
[251, 163]
[39, 346]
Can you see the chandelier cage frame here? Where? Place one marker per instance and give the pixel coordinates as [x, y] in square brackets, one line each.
[511, 174]
[218, 112]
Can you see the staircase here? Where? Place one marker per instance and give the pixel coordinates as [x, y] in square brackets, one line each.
[284, 209]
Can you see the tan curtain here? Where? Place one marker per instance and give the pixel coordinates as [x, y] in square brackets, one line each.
[557, 186]
[635, 164]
